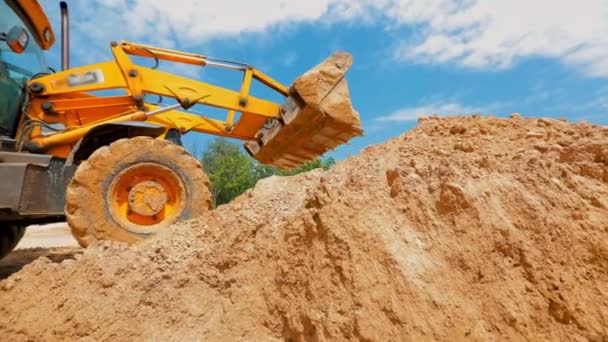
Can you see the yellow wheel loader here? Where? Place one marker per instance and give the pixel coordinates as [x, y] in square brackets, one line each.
[113, 166]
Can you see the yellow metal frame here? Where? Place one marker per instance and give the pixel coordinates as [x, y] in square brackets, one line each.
[64, 97]
[39, 21]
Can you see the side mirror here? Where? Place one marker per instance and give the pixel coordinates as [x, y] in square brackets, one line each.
[17, 39]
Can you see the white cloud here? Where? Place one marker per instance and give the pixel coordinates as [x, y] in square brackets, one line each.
[472, 33]
[190, 22]
[187, 24]
[494, 34]
[439, 109]
[185, 70]
[289, 58]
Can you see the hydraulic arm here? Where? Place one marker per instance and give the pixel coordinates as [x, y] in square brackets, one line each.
[316, 116]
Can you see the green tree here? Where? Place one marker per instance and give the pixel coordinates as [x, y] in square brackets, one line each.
[229, 170]
[262, 171]
[317, 163]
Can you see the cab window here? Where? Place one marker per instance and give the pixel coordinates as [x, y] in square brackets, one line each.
[15, 69]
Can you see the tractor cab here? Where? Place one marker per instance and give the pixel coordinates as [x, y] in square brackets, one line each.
[21, 57]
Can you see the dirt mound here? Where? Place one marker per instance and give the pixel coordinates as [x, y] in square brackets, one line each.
[475, 227]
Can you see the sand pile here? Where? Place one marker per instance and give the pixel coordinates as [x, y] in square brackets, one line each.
[475, 227]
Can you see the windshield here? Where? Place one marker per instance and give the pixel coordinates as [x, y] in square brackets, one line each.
[19, 65]
[15, 69]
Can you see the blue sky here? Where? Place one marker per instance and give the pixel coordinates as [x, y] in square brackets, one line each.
[412, 57]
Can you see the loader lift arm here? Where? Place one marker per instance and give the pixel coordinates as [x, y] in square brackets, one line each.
[67, 102]
[63, 98]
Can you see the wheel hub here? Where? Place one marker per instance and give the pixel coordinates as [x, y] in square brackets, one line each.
[147, 198]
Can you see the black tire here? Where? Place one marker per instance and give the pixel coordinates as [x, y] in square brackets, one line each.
[10, 235]
[91, 209]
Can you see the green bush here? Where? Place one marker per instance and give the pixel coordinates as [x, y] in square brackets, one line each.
[231, 171]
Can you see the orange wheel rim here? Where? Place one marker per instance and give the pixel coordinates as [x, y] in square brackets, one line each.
[146, 197]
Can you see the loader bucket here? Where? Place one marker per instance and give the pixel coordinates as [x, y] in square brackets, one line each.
[316, 117]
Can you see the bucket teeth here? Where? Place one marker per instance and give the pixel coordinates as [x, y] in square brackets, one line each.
[317, 117]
